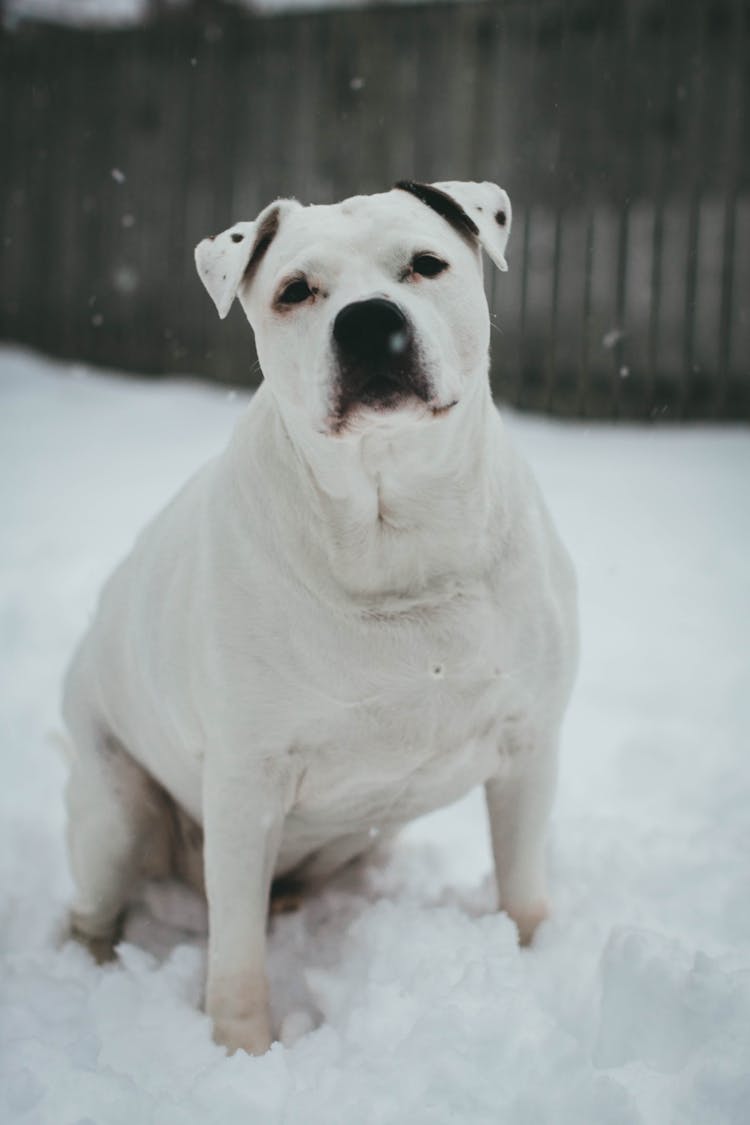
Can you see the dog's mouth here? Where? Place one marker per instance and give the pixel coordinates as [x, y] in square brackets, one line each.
[375, 393]
[385, 390]
[380, 401]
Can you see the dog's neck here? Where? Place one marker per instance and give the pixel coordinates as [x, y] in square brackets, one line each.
[395, 516]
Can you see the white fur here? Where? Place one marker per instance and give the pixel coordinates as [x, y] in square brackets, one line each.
[329, 632]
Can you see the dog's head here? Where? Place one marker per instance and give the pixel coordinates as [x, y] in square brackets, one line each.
[369, 308]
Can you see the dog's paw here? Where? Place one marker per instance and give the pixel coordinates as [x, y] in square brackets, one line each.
[101, 948]
[527, 918]
[251, 1034]
[99, 941]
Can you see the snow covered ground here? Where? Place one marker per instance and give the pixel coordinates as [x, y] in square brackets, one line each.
[128, 13]
[400, 996]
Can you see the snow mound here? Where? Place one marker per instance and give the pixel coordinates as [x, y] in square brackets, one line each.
[78, 13]
[113, 14]
[399, 995]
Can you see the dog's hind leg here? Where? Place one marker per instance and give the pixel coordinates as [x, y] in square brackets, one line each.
[114, 809]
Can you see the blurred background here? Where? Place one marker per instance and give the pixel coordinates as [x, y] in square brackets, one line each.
[620, 128]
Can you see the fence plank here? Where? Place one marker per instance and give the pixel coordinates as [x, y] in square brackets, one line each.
[620, 130]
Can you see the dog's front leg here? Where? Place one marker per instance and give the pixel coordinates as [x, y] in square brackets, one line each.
[518, 802]
[244, 808]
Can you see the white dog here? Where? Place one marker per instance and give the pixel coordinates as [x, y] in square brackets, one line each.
[356, 613]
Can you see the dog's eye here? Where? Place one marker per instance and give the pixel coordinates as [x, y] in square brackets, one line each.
[295, 293]
[428, 265]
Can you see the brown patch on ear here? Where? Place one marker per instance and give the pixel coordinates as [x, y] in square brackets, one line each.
[444, 205]
[263, 239]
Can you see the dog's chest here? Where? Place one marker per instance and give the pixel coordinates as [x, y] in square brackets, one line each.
[404, 720]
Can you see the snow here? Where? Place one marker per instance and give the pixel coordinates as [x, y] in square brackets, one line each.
[78, 13]
[400, 995]
[127, 13]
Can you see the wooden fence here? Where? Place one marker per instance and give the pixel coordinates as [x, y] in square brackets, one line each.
[621, 129]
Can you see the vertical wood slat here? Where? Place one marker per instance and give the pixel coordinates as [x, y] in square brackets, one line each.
[736, 113]
[581, 405]
[628, 170]
[658, 176]
[531, 84]
[695, 146]
[627, 173]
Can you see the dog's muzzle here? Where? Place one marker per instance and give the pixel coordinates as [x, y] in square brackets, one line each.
[377, 357]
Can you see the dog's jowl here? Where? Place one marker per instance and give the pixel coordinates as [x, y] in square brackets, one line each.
[356, 613]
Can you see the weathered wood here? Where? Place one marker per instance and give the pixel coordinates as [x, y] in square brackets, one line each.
[620, 130]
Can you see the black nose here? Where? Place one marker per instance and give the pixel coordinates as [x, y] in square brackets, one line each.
[371, 331]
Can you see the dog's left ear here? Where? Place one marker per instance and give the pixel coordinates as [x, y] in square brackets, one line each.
[224, 260]
[479, 210]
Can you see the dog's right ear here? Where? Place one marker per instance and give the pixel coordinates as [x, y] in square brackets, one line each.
[480, 211]
[224, 260]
